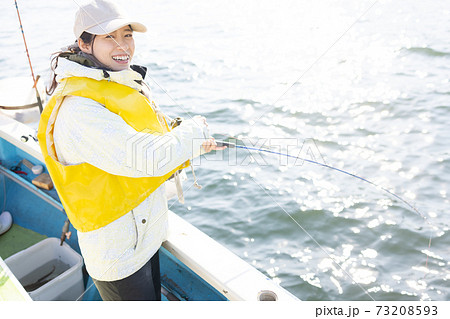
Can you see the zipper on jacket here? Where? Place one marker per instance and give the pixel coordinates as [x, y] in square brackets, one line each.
[135, 230]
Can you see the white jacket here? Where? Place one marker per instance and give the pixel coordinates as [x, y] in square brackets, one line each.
[85, 131]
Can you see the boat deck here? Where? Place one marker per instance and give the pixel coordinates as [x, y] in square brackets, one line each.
[17, 239]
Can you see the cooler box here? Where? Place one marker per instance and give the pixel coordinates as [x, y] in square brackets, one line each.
[49, 271]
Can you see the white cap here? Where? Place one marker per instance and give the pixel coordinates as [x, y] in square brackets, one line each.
[102, 17]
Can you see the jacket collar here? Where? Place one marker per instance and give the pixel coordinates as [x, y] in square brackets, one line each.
[71, 67]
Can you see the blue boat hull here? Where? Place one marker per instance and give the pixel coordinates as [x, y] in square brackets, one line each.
[40, 210]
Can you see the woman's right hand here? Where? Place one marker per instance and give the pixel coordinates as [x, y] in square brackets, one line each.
[211, 145]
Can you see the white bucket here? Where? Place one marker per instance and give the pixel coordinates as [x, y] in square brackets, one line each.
[40, 264]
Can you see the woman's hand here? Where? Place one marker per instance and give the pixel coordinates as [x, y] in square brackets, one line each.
[211, 145]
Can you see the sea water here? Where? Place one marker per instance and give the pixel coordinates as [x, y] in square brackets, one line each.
[359, 85]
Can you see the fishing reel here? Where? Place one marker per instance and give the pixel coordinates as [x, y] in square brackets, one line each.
[176, 122]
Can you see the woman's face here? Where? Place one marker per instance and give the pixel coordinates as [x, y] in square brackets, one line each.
[115, 50]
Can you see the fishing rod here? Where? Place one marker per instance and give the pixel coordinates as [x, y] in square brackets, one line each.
[234, 145]
[35, 79]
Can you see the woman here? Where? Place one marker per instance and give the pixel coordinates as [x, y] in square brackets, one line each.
[109, 150]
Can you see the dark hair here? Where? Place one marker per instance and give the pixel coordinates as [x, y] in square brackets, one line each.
[86, 37]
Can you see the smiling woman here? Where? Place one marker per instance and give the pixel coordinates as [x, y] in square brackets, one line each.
[376, 104]
[114, 50]
[100, 103]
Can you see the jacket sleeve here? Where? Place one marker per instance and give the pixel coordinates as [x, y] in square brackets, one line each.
[86, 132]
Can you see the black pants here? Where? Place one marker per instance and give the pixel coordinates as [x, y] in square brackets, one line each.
[144, 284]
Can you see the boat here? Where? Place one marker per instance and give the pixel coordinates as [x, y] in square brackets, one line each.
[194, 267]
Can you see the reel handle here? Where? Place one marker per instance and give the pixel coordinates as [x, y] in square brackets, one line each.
[227, 144]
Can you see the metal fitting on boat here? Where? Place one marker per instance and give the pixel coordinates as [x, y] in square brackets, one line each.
[267, 295]
[25, 138]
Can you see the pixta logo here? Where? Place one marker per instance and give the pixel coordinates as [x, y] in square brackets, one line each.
[286, 151]
[150, 152]
[154, 154]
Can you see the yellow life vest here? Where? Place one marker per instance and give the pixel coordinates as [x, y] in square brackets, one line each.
[92, 197]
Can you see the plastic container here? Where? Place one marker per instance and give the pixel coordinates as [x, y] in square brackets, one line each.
[37, 169]
[49, 271]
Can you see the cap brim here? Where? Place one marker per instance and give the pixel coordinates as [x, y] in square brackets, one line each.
[113, 25]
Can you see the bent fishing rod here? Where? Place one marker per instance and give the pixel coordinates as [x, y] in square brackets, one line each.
[234, 145]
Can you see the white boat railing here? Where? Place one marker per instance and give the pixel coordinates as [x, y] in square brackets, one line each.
[229, 274]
